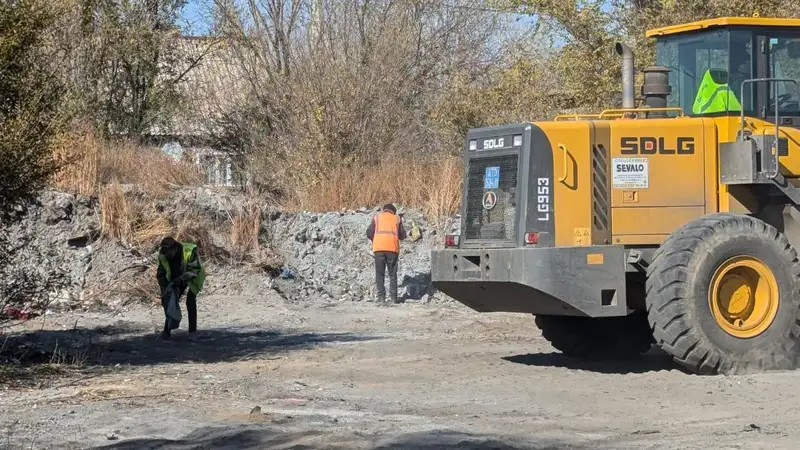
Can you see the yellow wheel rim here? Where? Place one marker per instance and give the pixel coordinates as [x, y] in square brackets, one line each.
[744, 296]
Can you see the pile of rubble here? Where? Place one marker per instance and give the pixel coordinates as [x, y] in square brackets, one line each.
[323, 257]
[50, 248]
[58, 254]
[332, 256]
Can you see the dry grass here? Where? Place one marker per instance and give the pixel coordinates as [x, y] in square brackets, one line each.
[134, 285]
[131, 219]
[80, 154]
[147, 168]
[130, 180]
[139, 287]
[434, 186]
[192, 228]
[30, 363]
[94, 167]
[245, 230]
[89, 163]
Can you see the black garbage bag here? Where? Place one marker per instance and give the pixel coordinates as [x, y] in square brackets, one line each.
[170, 300]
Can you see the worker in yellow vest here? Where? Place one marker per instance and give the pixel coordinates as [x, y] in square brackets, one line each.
[714, 95]
[179, 267]
[386, 231]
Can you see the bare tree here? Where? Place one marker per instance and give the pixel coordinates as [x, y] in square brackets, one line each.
[340, 82]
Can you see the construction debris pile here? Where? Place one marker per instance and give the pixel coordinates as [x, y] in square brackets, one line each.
[50, 250]
[320, 257]
[333, 259]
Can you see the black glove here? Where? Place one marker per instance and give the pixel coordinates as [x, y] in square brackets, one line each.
[186, 276]
[177, 283]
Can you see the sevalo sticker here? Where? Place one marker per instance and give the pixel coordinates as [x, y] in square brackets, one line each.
[629, 173]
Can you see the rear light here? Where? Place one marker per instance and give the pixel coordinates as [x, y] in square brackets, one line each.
[451, 240]
[531, 238]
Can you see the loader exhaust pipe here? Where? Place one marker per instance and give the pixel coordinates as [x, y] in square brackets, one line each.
[627, 74]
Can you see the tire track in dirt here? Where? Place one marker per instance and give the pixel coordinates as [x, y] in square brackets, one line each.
[361, 376]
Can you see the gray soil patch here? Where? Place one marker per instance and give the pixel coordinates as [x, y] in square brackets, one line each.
[270, 373]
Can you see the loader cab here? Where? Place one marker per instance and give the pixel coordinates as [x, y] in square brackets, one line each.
[710, 61]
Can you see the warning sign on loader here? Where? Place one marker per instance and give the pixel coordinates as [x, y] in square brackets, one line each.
[629, 173]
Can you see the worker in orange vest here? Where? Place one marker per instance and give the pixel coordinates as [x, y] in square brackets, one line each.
[386, 231]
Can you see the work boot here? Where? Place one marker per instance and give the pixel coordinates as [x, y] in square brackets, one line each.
[164, 335]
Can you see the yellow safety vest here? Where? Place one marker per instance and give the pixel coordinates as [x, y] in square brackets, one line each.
[196, 283]
[713, 97]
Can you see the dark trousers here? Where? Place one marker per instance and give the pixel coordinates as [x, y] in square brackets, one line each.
[191, 310]
[386, 261]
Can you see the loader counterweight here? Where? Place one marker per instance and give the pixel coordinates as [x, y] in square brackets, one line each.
[574, 281]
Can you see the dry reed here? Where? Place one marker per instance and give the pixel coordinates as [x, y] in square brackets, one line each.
[432, 186]
[131, 219]
[89, 162]
[116, 220]
[79, 154]
[128, 179]
[246, 229]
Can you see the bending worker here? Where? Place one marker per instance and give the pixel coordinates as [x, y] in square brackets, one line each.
[386, 231]
[179, 267]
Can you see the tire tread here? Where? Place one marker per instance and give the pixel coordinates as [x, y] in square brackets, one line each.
[667, 285]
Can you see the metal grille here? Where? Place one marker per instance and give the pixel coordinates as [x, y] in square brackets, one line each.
[496, 223]
[600, 188]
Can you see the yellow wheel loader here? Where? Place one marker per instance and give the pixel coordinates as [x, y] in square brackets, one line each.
[674, 223]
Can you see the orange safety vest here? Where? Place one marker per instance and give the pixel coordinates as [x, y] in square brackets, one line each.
[386, 239]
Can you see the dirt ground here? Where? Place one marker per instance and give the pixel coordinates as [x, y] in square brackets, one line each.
[268, 374]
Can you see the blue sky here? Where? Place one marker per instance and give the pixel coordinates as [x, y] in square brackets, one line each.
[193, 21]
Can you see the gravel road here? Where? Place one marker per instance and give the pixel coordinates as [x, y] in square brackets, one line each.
[272, 374]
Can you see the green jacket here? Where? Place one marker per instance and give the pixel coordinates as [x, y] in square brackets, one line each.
[190, 263]
[713, 97]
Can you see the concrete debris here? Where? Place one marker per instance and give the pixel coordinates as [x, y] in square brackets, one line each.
[315, 256]
[333, 257]
[52, 251]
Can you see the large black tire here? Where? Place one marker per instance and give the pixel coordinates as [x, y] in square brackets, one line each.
[597, 338]
[679, 306]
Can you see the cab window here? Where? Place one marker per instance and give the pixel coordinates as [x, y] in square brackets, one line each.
[784, 62]
[707, 71]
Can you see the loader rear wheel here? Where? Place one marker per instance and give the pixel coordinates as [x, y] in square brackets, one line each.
[723, 296]
[597, 338]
